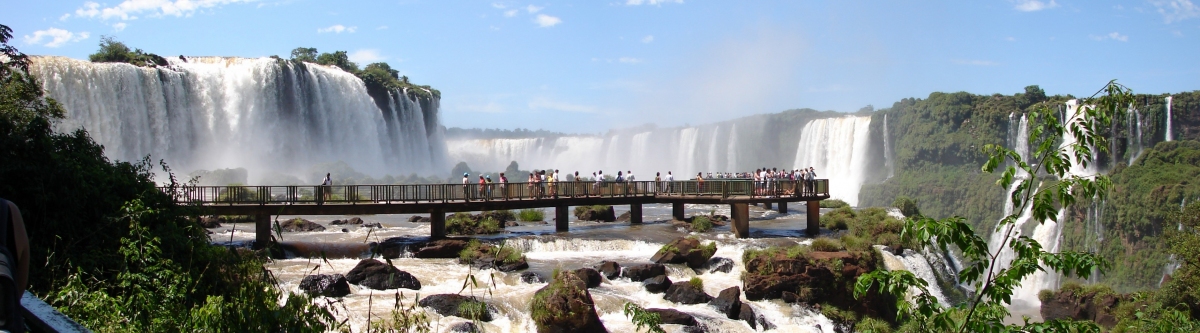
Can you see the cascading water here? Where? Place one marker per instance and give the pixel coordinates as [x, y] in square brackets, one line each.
[1173, 263]
[262, 114]
[1168, 135]
[1134, 118]
[838, 149]
[887, 149]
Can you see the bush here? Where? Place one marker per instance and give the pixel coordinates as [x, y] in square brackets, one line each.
[907, 206]
[113, 51]
[531, 215]
[872, 325]
[834, 203]
[696, 282]
[467, 224]
[827, 245]
[701, 223]
[1045, 295]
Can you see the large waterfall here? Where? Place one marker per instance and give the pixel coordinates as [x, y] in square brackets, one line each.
[838, 148]
[265, 115]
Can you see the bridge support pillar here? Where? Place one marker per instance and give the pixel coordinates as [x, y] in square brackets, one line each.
[814, 218]
[767, 205]
[561, 219]
[783, 207]
[262, 230]
[741, 219]
[635, 213]
[437, 224]
[677, 211]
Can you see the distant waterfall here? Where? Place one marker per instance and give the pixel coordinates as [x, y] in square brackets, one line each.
[1134, 117]
[1169, 136]
[838, 148]
[262, 114]
[888, 157]
[1018, 140]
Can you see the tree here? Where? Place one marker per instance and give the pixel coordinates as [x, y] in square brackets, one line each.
[339, 59]
[112, 50]
[1060, 143]
[304, 54]
[907, 206]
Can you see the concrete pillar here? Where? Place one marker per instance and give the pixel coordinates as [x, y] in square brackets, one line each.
[767, 205]
[814, 218]
[437, 224]
[677, 211]
[561, 219]
[262, 230]
[783, 207]
[741, 219]
[635, 213]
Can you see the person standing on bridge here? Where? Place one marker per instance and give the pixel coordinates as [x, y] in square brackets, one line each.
[482, 188]
[326, 188]
[657, 182]
[466, 187]
[670, 181]
[504, 185]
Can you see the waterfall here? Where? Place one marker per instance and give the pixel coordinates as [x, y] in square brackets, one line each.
[917, 264]
[838, 149]
[1134, 118]
[887, 149]
[1173, 263]
[261, 114]
[1168, 136]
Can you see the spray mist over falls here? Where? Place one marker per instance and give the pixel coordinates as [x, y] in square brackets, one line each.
[262, 114]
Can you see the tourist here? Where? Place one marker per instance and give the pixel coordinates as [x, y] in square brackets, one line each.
[17, 243]
[504, 185]
[482, 187]
[620, 176]
[553, 180]
[326, 188]
[466, 187]
[657, 181]
[575, 184]
[670, 181]
[530, 183]
[700, 182]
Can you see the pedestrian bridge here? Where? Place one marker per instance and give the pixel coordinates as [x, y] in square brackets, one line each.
[438, 199]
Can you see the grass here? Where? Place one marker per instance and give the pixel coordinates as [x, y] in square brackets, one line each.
[701, 223]
[697, 283]
[834, 203]
[472, 309]
[708, 249]
[824, 244]
[506, 255]
[465, 224]
[531, 215]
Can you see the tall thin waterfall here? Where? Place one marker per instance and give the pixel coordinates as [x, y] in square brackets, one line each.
[262, 114]
[887, 149]
[1134, 117]
[1169, 136]
[837, 148]
[1018, 139]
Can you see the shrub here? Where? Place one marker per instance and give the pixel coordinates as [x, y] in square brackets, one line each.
[531, 215]
[834, 203]
[696, 282]
[113, 51]
[827, 245]
[708, 249]
[1045, 295]
[798, 251]
[854, 243]
[701, 223]
[872, 325]
[907, 206]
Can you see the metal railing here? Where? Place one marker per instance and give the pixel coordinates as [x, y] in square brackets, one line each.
[433, 193]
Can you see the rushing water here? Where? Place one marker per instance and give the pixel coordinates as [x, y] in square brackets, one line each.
[1134, 118]
[839, 147]
[260, 114]
[1168, 134]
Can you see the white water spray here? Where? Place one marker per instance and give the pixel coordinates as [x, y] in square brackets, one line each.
[837, 148]
[1169, 136]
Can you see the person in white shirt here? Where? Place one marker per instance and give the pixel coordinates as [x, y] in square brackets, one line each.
[326, 187]
[670, 181]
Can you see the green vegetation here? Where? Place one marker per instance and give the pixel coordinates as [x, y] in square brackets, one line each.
[826, 245]
[647, 320]
[866, 227]
[377, 75]
[907, 206]
[701, 223]
[872, 325]
[833, 203]
[531, 215]
[113, 51]
[503, 255]
[109, 249]
[696, 282]
[403, 319]
[467, 224]
[708, 249]
[579, 210]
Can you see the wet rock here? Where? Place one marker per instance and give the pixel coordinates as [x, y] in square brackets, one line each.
[345, 230]
[463, 327]
[210, 222]
[373, 225]
[625, 217]
[644, 271]
[719, 264]
[657, 284]
[791, 297]
[566, 306]
[328, 285]
[684, 250]
[729, 302]
[1076, 303]
[827, 277]
[418, 218]
[531, 277]
[299, 224]
[610, 269]
[684, 292]
[453, 305]
[442, 248]
[595, 213]
[672, 316]
[354, 220]
[746, 313]
[590, 276]
[377, 275]
[485, 256]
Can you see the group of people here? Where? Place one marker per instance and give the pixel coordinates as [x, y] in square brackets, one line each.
[545, 183]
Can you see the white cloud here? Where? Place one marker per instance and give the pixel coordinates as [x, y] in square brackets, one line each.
[648, 39]
[337, 28]
[1176, 10]
[650, 2]
[510, 13]
[366, 56]
[533, 9]
[382, 27]
[542, 103]
[130, 9]
[1112, 35]
[119, 26]
[975, 62]
[629, 60]
[498, 5]
[64, 17]
[1034, 5]
[55, 37]
[546, 21]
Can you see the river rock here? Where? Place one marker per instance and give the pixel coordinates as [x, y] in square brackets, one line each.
[590, 213]
[719, 264]
[589, 275]
[825, 276]
[441, 248]
[450, 305]
[531, 277]
[377, 275]
[657, 284]
[299, 224]
[376, 225]
[328, 285]
[610, 269]
[684, 250]
[484, 257]
[676, 317]
[352, 220]
[462, 327]
[565, 305]
[1080, 304]
[729, 302]
[644, 271]
[625, 217]
[210, 222]
[419, 218]
[746, 313]
[684, 292]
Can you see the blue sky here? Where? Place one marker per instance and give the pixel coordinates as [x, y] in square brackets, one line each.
[592, 66]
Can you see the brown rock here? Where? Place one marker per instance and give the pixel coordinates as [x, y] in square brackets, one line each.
[645, 271]
[685, 293]
[672, 316]
[610, 269]
[377, 275]
[564, 306]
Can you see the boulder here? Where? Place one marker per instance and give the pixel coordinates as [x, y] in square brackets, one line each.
[531, 277]
[352, 220]
[345, 230]
[657, 284]
[644, 271]
[377, 275]
[610, 269]
[676, 317]
[684, 250]
[452, 305]
[565, 305]
[484, 256]
[729, 302]
[827, 277]
[746, 313]
[328, 285]
[463, 327]
[719, 264]
[373, 225]
[595, 213]
[590, 276]
[419, 218]
[210, 222]
[299, 224]
[685, 292]
[442, 248]
[1076, 303]
[625, 217]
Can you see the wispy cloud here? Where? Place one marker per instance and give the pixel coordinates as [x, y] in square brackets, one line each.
[54, 37]
[119, 26]
[130, 9]
[650, 2]
[648, 39]
[629, 60]
[498, 5]
[533, 9]
[1176, 10]
[542, 103]
[511, 12]
[1112, 35]
[337, 28]
[546, 21]
[1034, 5]
[975, 62]
[366, 56]
[382, 27]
